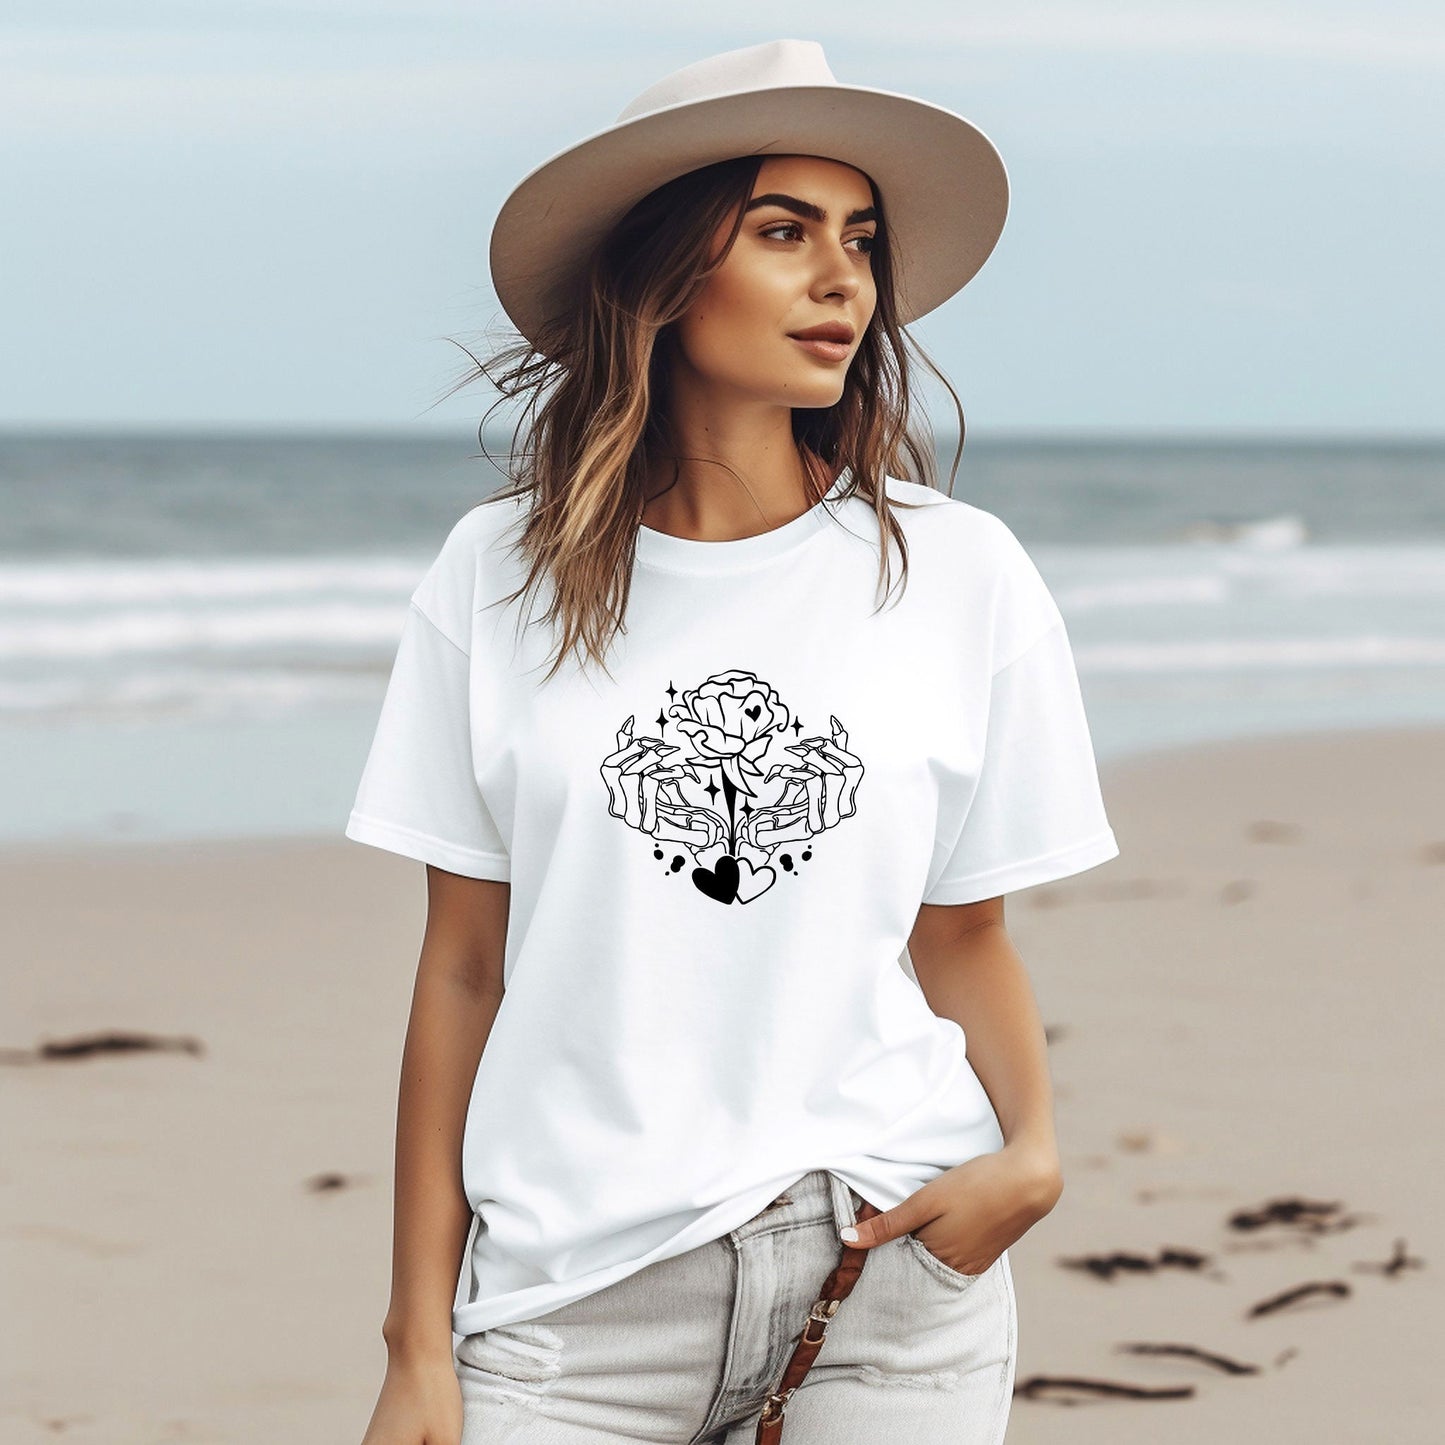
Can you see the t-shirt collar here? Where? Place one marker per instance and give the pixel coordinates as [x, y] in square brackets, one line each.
[687, 554]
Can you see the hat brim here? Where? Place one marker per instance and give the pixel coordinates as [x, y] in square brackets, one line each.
[943, 183]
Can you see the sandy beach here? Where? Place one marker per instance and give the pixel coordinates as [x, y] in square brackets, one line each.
[1245, 1018]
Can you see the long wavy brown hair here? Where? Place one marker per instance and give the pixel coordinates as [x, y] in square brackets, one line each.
[595, 423]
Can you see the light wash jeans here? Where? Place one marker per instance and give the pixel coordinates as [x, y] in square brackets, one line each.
[683, 1351]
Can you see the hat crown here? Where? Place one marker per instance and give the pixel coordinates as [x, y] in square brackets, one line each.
[755, 67]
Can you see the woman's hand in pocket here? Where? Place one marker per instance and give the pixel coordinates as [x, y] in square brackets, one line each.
[420, 1402]
[968, 1215]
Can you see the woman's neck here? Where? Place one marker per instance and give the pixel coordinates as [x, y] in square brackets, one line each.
[738, 470]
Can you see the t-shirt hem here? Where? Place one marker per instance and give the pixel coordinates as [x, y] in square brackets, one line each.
[452, 857]
[1061, 863]
[473, 1316]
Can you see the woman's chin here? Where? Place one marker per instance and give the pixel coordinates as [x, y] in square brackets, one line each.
[811, 396]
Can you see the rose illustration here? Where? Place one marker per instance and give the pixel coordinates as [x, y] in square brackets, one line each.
[731, 720]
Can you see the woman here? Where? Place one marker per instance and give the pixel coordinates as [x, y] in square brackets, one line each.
[665, 1048]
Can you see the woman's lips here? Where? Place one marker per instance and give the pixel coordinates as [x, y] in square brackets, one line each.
[824, 350]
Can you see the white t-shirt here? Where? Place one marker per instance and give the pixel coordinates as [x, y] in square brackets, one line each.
[716, 857]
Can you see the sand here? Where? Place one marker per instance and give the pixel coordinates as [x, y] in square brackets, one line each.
[1245, 1011]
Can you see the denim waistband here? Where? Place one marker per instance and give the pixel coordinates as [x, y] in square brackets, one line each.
[818, 1196]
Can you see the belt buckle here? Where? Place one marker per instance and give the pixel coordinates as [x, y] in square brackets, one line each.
[773, 1405]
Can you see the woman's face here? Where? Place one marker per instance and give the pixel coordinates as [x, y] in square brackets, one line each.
[800, 261]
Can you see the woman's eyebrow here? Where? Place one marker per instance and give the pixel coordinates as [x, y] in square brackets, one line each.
[808, 209]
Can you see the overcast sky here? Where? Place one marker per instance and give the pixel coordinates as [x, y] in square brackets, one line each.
[1224, 216]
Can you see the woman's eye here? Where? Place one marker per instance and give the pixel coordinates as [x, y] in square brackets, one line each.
[794, 229]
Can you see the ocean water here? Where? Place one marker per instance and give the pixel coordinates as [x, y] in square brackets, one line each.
[195, 632]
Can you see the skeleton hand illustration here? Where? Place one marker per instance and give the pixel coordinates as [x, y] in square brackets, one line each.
[644, 791]
[819, 792]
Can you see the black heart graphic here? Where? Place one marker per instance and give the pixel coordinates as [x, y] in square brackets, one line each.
[720, 882]
[753, 712]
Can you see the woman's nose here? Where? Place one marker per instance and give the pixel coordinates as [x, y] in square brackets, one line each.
[838, 276]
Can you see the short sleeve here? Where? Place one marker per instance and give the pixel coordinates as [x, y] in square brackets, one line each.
[418, 794]
[1037, 812]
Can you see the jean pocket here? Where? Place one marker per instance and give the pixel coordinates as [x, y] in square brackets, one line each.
[935, 1266]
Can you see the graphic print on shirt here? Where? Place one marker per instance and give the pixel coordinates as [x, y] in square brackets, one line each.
[712, 796]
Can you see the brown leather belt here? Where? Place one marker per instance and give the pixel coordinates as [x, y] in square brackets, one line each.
[810, 1339]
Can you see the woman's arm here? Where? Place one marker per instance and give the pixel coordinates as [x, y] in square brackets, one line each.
[454, 1004]
[458, 991]
[970, 972]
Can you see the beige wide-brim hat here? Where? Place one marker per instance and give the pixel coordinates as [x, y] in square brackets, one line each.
[943, 183]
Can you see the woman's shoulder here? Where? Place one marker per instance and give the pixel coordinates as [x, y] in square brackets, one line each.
[484, 526]
[474, 550]
[958, 523]
[982, 565]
